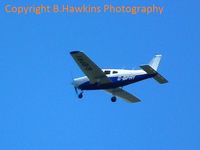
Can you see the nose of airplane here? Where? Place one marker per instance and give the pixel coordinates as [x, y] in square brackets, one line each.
[74, 83]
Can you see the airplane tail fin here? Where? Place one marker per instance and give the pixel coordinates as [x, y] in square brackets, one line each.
[154, 63]
[152, 67]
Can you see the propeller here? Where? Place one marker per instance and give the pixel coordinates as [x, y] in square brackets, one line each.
[75, 88]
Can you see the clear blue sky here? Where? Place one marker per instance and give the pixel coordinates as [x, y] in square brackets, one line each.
[39, 109]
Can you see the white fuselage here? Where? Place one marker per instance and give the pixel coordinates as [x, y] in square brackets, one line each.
[119, 77]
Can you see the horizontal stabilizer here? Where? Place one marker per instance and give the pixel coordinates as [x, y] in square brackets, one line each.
[149, 70]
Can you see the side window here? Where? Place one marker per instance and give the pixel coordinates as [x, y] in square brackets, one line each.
[114, 72]
[107, 72]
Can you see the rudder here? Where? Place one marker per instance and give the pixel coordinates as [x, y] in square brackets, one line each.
[154, 63]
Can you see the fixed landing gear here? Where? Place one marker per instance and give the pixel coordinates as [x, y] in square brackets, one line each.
[80, 95]
[113, 99]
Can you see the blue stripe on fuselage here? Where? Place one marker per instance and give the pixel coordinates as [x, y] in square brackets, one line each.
[115, 82]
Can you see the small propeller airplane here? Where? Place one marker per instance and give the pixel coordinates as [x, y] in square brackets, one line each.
[113, 80]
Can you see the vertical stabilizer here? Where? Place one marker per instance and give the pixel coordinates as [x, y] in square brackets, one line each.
[154, 63]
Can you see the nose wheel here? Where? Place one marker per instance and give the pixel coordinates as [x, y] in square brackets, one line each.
[113, 99]
[80, 95]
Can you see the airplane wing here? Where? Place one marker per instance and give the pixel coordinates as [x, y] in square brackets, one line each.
[91, 70]
[123, 94]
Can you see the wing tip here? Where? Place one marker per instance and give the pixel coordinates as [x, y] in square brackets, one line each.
[74, 52]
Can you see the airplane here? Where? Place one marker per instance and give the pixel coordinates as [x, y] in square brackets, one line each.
[113, 80]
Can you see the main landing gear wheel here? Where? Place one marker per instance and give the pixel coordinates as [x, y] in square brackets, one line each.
[113, 99]
[80, 95]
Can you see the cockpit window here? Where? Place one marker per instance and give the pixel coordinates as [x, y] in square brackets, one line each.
[107, 72]
[114, 72]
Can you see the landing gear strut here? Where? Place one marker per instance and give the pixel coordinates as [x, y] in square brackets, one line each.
[80, 95]
[113, 99]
